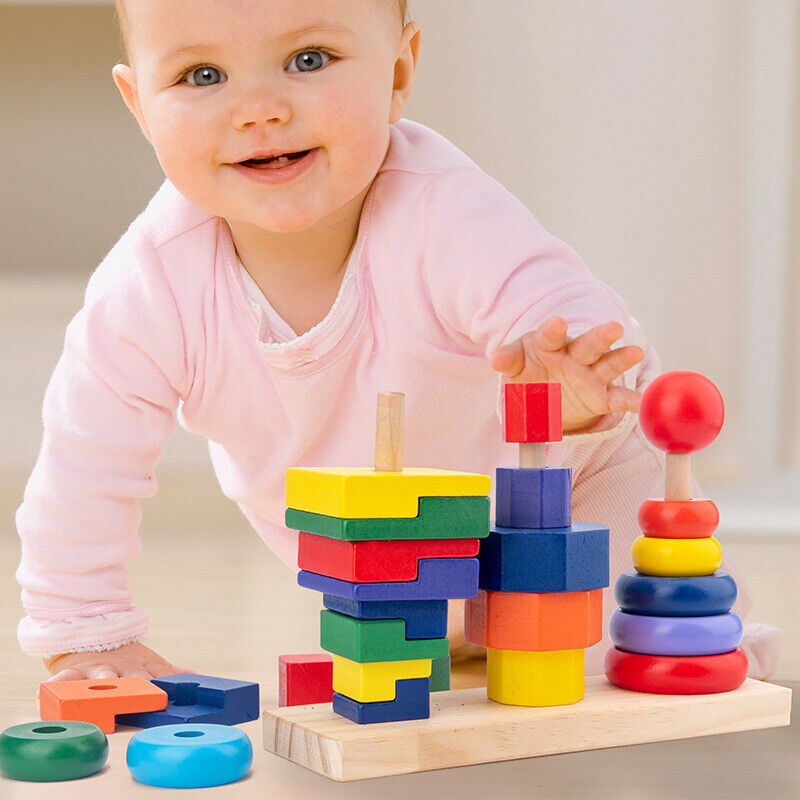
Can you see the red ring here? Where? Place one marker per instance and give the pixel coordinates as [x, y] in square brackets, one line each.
[676, 674]
[678, 519]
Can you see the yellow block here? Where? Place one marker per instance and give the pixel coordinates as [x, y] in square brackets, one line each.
[358, 493]
[676, 558]
[374, 681]
[535, 678]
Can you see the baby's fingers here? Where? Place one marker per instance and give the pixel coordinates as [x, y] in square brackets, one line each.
[70, 674]
[615, 362]
[100, 672]
[621, 399]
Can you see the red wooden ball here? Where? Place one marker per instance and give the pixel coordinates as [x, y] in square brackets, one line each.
[681, 411]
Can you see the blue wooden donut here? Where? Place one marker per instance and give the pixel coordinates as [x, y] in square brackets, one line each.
[675, 597]
[675, 636]
[189, 756]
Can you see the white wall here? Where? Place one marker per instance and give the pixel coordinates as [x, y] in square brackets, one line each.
[620, 123]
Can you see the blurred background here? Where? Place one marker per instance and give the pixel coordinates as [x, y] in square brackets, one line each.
[658, 137]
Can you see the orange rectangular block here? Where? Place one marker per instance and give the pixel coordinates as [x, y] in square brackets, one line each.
[99, 701]
[535, 621]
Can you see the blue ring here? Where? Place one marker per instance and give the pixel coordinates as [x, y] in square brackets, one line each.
[675, 597]
[189, 756]
[676, 636]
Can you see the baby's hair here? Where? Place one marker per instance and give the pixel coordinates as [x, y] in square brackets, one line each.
[124, 23]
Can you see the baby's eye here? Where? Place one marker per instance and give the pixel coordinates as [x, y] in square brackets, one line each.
[205, 76]
[309, 60]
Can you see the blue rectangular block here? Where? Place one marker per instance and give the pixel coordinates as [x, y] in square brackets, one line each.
[533, 497]
[412, 701]
[425, 619]
[200, 698]
[437, 578]
[571, 559]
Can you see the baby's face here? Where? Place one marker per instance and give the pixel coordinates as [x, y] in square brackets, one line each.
[250, 84]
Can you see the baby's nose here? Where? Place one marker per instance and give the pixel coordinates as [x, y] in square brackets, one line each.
[260, 107]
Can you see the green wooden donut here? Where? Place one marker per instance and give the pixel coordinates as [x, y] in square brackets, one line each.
[58, 750]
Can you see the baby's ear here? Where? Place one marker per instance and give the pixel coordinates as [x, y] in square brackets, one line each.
[125, 78]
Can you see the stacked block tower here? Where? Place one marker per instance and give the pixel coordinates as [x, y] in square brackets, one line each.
[387, 547]
[541, 574]
[674, 632]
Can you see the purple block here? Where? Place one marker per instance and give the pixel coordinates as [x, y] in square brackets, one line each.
[437, 579]
[533, 497]
[676, 636]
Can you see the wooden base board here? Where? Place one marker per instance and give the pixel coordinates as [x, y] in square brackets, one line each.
[467, 728]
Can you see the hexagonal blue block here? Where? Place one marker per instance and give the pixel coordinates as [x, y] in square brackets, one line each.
[533, 497]
[199, 698]
[570, 559]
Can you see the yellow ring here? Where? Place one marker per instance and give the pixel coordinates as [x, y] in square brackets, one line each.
[676, 558]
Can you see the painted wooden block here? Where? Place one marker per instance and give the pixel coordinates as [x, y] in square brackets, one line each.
[375, 682]
[367, 562]
[677, 558]
[440, 674]
[522, 678]
[533, 497]
[305, 679]
[200, 698]
[676, 674]
[572, 559]
[412, 702]
[363, 492]
[438, 518]
[364, 640]
[439, 578]
[532, 412]
[535, 620]
[99, 701]
[676, 636]
[675, 597]
[678, 519]
[425, 619]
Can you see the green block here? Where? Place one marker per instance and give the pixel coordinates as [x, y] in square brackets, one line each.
[365, 640]
[440, 674]
[438, 518]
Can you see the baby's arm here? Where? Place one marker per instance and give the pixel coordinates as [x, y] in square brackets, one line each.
[107, 410]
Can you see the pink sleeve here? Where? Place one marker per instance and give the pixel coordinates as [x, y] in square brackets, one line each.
[108, 409]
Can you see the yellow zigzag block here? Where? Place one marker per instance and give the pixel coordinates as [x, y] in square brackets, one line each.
[535, 678]
[359, 493]
[374, 681]
[676, 558]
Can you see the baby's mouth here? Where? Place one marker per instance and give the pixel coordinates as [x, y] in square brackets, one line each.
[276, 162]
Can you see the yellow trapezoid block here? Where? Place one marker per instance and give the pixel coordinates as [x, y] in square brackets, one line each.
[676, 558]
[374, 681]
[535, 678]
[358, 493]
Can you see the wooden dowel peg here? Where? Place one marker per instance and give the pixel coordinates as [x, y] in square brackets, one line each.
[679, 477]
[532, 454]
[389, 432]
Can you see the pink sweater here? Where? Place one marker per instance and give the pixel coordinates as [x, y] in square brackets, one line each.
[447, 266]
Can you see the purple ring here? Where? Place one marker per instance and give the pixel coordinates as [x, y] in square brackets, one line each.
[676, 636]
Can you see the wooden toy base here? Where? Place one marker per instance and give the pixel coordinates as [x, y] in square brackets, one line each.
[466, 728]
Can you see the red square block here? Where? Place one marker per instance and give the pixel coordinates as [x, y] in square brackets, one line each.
[305, 679]
[532, 412]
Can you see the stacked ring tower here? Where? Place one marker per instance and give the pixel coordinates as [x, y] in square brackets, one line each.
[540, 603]
[387, 547]
[674, 632]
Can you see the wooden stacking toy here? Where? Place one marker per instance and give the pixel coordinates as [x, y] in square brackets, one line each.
[387, 547]
[674, 632]
[541, 575]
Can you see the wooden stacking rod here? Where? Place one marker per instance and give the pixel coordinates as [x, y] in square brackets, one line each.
[467, 728]
[389, 432]
[532, 454]
[679, 477]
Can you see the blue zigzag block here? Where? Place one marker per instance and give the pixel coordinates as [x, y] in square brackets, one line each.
[412, 701]
[437, 579]
[199, 698]
[571, 559]
[425, 619]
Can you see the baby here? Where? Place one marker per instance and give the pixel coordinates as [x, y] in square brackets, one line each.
[309, 248]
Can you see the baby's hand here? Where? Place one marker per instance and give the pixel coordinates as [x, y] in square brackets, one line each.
[581, 365]
[133, 659]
